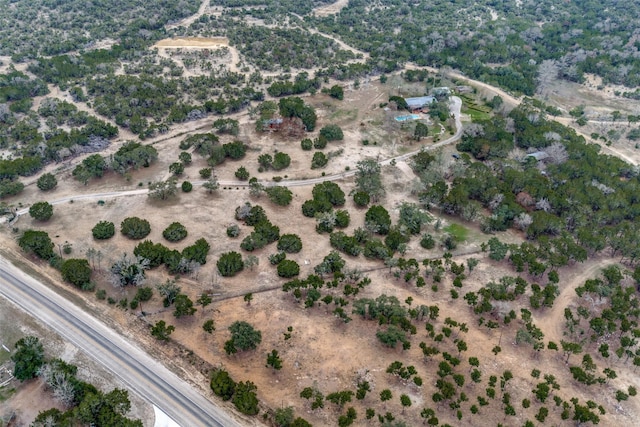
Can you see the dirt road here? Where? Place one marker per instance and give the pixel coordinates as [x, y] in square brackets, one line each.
[455, 109]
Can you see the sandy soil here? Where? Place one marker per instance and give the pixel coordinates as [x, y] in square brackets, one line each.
[189, 43]
[330, 9]
[322, 350]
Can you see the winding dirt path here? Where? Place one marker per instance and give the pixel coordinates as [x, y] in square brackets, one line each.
[551, 322]
[190, 19]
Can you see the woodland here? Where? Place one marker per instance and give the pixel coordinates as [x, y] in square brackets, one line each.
[519, 194]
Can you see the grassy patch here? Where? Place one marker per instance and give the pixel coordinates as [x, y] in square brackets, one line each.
[347, 115]
[475, 115]
[6, 392]
[458, 232]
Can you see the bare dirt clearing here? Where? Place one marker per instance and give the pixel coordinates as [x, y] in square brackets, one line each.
[193, 42]
[330, 9]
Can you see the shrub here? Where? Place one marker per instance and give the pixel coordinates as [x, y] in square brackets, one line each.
[332, 133]
[153, 252]
[205, 173]
[222, 384]
[230, 263]
[47, 182]
[37, 242]
[233, 231]
[306, 144]
[361, 198]
[427, 241]
[234, 150]
[103, 230]
[319, 160]
[10, 188]
[290, 243]
[277, 258]
[76, 271]
[377, 220]
[197, 252]
[242, 173]
[281, 196]
[175, 232]
[342, 218]
[244, 336]
[320, 143]
[186, 187]
[135, 228]
[41, 211]
[281, 161]
[176, 168]
[288, 268]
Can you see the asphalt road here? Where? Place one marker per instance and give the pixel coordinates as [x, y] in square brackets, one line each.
[135, 368]
[456, 105]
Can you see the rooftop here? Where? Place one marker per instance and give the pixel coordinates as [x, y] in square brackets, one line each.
[419, 102]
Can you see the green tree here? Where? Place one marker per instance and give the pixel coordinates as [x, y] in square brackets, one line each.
[245, 399]
[209, 326]
[222, 384]
[28, 358]
[405, 401]
[161, 331]
[392, 335]
[319, 160]
[163, 190]
[337, 92]
[197, 252]
[47, 182]
[290, 243]
[421, 130]
[369, 179]
[204, 300]
[183, 306]
[377, 220]
[76, 271]
[38, 243]
[103, 230]
[41, 211]
[205, 173]
[176, 168]
[281, 161]
[230, 263]
[281, 196]
[10, 187]
[175, 232]
[186, 187]
[385, 395]
[274, 361]
[361, 198]
[135, 228]
[332, 133]
[243, 337]
[155, 253]
[242, 173]
[288, 268]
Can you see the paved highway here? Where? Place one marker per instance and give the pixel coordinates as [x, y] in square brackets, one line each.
[134, 367]
[456, 105]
